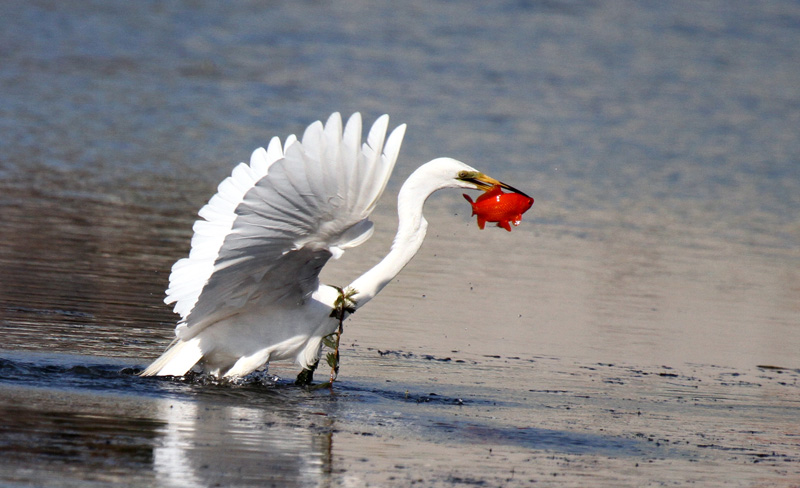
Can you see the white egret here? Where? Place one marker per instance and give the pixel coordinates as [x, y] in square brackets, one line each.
[249, 292]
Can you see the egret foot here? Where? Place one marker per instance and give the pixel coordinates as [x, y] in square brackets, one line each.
[306, 377]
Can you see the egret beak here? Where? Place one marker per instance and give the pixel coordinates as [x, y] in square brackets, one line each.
[485, 183]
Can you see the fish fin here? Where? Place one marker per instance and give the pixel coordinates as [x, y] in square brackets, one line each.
[481, 222]
[470, 202]
[504, 224]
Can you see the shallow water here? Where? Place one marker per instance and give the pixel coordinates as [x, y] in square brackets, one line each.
[640, 327]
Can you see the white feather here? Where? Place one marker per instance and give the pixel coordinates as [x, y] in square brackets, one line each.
[177, 361]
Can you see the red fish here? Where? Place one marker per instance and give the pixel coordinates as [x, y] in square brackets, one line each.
[496, 206]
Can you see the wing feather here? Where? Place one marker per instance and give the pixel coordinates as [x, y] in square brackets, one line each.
[273, 224]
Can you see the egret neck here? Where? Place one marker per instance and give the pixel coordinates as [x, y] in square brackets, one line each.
[410, 230]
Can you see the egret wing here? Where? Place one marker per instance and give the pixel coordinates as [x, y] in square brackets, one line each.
[274, 224]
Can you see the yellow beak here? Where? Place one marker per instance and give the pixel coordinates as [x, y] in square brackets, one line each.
[483, 182]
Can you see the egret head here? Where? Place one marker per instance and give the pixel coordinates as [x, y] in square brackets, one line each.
[451, 173]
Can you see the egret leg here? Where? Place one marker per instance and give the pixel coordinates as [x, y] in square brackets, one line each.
[334, 362]
[345, 304]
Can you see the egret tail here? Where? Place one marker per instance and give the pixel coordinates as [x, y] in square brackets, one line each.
[177, 360]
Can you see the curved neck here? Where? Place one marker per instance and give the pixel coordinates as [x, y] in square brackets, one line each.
[410, 234]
